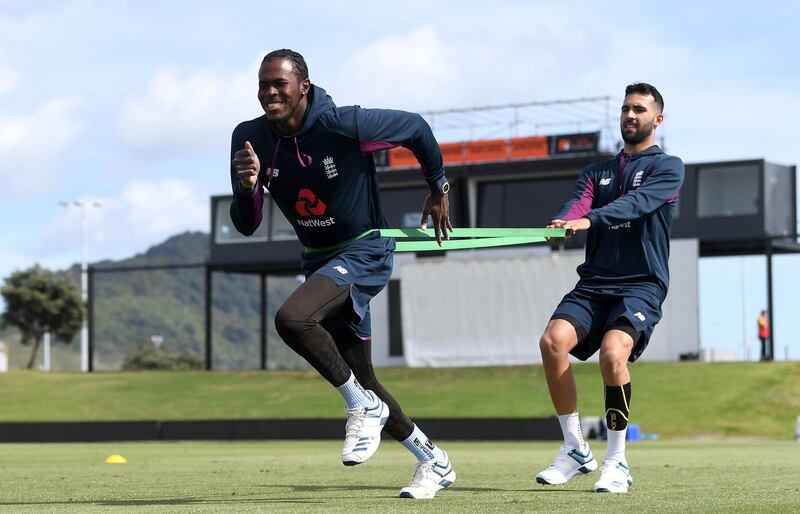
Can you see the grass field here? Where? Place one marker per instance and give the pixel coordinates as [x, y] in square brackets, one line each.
[308, 476]
[680, 399]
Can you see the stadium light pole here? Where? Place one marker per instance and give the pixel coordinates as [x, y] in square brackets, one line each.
[83, 205]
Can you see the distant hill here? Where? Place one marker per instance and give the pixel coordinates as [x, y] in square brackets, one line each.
[130, 307]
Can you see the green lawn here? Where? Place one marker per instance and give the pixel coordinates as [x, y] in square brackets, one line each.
[307, 476]
[685, 399]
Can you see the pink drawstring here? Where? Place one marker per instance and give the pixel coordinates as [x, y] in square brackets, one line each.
[622, 175]
[299, 158]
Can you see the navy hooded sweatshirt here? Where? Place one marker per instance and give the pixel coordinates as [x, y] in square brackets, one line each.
[323, 178]
[630, 201]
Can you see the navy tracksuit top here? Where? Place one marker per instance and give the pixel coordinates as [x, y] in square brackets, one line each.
[630, 201]
[323, 178]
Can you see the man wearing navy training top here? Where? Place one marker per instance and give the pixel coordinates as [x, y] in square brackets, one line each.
[315, 160]
[626, 204]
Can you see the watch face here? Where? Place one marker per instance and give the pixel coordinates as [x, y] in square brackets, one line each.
[445, 188]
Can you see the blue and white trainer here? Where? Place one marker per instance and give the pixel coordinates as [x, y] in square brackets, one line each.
[363, 431]
[429, 477]
[615, 477]
[569, 463]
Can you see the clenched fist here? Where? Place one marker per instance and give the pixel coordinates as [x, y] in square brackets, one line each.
[247, 165]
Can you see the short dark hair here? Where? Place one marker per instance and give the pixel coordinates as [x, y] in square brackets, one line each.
[298, 63]
[643, 88]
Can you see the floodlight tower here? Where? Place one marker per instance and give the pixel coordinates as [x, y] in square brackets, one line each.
[83, 205]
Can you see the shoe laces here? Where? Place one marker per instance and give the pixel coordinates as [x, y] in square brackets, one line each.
[563, 455]
[422, 472]
[563, 460]
[611, 467]
[355, 420]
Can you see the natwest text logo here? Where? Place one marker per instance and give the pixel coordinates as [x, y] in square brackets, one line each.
[308, 204]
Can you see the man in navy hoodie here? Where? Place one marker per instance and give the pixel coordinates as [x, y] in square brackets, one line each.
[318, 169]
[627, 205]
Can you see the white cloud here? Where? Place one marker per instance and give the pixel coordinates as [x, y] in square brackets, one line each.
[427, 69]
[9, 79]
[417, 67]
[145, 213]
[560, 57]
[157, 210]
[180, 113]
[31, 145]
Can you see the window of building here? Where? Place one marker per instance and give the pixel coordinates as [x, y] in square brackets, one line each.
[727, 191]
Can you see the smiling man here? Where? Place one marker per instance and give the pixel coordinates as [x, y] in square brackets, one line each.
[320, 173]
[627, 205]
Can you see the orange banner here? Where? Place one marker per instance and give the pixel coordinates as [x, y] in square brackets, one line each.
[527, 147]
[400, 157]
[490, 150]
[452, 153]
[487, 150]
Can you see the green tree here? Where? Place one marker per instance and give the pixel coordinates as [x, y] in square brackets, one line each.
[38, 302]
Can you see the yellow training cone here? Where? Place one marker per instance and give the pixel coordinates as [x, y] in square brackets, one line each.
[116, 459]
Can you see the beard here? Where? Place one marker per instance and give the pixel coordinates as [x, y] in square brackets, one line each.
[637, 137]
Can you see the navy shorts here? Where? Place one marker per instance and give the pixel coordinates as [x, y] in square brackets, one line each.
[594, 310]
[365, 265]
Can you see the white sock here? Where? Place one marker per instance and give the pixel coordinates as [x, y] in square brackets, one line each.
[571, 428]
[354, 395]
[422, 447]
[616, 445]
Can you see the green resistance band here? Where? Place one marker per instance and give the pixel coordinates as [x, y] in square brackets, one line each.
[468, 238]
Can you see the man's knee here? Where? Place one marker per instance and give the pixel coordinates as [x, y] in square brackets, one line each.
[291, 324]
[614, 352]
[558, 339]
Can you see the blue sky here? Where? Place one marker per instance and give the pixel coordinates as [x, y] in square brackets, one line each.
[131, 103]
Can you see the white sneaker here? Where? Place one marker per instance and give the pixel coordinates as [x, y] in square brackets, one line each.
[615, 477]
[363, 431]
[569, 463]
[428, 478]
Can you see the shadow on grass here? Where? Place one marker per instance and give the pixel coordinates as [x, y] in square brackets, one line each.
[168, 501]
[394, 489]
[233, 499]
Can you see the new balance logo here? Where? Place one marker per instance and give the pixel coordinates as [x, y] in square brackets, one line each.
[640, 316]
[340, 269]
[273, 173]
[330, 167]
[637, 179]
[605, 181]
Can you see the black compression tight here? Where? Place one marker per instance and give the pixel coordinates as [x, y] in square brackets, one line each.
[299, 323]
[311, 322]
